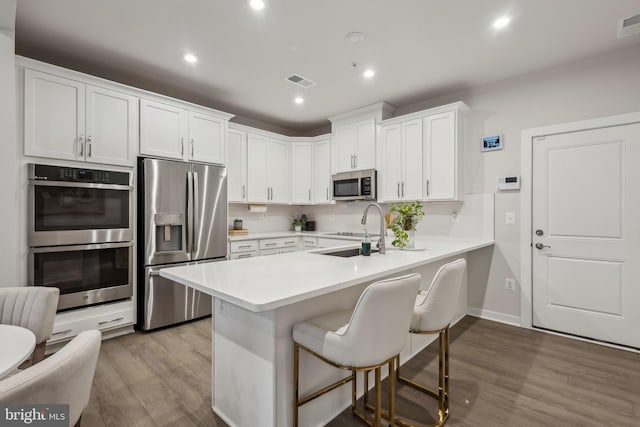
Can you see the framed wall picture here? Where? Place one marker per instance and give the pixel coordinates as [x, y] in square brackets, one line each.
[491, 143]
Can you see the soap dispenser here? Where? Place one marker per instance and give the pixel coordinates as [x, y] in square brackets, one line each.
[366, 244]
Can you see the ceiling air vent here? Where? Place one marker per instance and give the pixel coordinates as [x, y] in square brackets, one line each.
[300, 81]
[628, 26]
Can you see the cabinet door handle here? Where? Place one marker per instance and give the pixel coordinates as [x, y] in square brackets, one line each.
[66, 331]
[89, 146]
[182, 147]
[427, 188]
[290, 242]
[244, 246]
[398, 190]
[309, 194]
[243, 191]
[270, 244]
[327, 193]
[402, 188]
[117, 319]
[245, 255]
[191, 147]
[81, 145]
[355, 160]
[271, 193]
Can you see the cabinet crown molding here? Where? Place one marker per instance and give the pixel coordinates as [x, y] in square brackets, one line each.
[379, 111]
[454, 106]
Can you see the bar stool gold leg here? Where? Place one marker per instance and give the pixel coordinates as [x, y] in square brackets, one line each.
[296, 370]
[392, 392]
[378, 398]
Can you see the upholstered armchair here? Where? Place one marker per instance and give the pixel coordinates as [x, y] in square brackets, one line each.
[32, 307]
[63, 378]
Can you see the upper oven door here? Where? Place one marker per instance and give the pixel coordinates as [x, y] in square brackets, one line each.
[67, 213]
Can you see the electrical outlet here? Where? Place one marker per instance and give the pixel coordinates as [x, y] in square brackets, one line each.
[510, 284]
[510, 218]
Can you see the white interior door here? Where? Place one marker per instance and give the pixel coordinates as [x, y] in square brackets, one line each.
[586, 233]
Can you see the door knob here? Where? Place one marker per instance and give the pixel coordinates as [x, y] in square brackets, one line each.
[541, 246]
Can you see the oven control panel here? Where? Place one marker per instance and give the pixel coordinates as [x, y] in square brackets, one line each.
[66, 174]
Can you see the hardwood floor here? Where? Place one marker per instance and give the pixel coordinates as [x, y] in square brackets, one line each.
[500, 376]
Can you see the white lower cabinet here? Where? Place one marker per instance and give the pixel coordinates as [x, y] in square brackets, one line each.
[107, 318]
[244, 249]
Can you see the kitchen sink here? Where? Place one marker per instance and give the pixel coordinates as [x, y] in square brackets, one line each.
[346, 253]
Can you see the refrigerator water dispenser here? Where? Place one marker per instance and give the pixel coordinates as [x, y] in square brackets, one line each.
[168, 232]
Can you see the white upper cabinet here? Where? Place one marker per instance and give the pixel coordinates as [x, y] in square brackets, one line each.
[258, 189]
[278, 171]
[168, 130]
[237, 166]
[355, 146]
[206, 138]
[443, 156]
[163, 129]
[322, 172]
[267, 170]
[70, 120]
[301, 172]
[400, 168]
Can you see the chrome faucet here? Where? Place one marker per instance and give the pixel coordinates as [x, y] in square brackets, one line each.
[381, 242]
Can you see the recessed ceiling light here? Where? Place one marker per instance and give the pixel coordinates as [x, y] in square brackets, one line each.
[299, 100]
[501, 22]
[257, 4]
[190, 58]
[368, 73]
[354, 37]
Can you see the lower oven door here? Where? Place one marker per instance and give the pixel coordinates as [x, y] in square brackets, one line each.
[85, 274]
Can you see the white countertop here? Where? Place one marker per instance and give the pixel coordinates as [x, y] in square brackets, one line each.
[266, 283]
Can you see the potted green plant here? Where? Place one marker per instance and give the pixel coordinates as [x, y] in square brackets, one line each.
[408, 215]
[297, 224]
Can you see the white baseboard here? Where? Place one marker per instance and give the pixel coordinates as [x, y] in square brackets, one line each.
[494, 316]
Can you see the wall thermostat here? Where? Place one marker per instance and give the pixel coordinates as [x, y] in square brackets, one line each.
[490, 143]
[508, 183]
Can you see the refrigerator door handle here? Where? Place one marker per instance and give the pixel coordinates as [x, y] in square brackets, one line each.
[190, 221]
[196, 211]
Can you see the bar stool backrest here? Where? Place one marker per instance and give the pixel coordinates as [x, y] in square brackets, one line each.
[380, 321]
[435, 309]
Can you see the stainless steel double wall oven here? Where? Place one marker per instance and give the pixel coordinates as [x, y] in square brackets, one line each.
[81, 233]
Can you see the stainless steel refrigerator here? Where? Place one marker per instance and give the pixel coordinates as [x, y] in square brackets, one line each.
[182, 219]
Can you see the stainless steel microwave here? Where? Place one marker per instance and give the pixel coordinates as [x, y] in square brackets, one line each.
[356, 185]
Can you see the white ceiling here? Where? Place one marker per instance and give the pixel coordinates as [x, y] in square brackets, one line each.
[419, 48]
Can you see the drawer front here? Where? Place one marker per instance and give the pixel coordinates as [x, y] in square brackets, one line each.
[276, 251]
[102, 322]
[243, 246]
[244, 255]
[283, 242]
[309, 242]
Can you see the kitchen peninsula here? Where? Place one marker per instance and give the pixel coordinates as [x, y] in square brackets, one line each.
[257, 301]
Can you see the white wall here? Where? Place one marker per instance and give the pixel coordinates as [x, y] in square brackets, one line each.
[8, 167]
[602, 85]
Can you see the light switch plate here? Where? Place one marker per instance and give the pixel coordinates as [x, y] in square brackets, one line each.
[510, 218]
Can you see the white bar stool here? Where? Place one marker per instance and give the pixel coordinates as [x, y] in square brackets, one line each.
[433, 312]
[367, 338]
